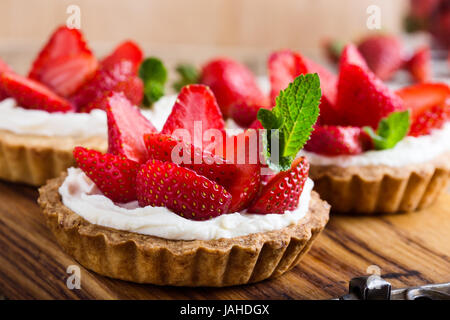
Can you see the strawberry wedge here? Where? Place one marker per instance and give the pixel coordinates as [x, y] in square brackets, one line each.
[195, 109]
[65, 63]
[429, 104]
[181, 190]
[284, 66]
[114, 175]
[231, 83]
[30, 94]
[126, 128]
[127, 50]
[363, 99]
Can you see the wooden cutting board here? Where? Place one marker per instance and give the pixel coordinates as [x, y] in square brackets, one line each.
[408, 249]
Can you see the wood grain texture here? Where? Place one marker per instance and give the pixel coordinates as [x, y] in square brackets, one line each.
[410, 249]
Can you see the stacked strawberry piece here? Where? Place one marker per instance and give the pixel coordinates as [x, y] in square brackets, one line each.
[357, 98]
[172, 169]
[66, 76]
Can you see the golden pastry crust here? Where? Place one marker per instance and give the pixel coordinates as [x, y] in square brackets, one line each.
[148, 259]
[33, 159]
[382, 189]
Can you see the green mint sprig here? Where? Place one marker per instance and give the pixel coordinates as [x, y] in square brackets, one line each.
[154, 76]
[188, 74]
[289, 124]
[390, 130]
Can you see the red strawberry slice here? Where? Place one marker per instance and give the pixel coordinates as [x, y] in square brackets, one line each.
[30, 94]
[244, 151]
[3, 67]
[383, 54]
[231, 83]
[283, 191]
[363, 99]
[165, 148]
[196, 111]
[127, 50]
[121, 78]
[65, 63]
[284, 66]
[419, 66]
[164, 184]
[351, 55]
[126, 128]
[244, 114]
[429, 104]
[67, 74]
[338, 140]
[133, 88]
[114, 175]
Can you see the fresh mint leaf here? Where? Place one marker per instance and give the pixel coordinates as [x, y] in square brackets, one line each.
[188, 74]
[390, 130]
[289, 123]
[154, 76]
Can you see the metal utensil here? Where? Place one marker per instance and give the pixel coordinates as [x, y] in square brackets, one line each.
[376, 288]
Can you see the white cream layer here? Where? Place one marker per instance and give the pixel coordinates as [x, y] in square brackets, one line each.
[82, 196]
[411, 150]
[38, 122]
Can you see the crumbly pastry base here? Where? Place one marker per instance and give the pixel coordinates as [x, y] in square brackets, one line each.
[372, 190]
[33, 159]
[147, 259]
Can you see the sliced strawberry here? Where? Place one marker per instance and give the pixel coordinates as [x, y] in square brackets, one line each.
[133, 88]
[244, 114]
[164, 184]
[283, 191]
[419, 66]
[383, 54]
[284, 66]
[351, 55]
[67, 74]
[30, 94]
[195, 109]
[114, 175]
[231, 83]
[363, 99]
[126, 128]
[127, 50]
[3, 67]
[65, 63]
[121, 78]
[337, 140]
[429, 104]
[244, 151]
[165, 148]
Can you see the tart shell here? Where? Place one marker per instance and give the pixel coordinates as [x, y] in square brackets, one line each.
[372, 190]
[33, 159]
[148, 259]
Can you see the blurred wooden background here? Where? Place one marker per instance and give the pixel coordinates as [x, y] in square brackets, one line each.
[193, 30]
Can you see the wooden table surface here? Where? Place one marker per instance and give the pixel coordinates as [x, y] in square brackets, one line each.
[409, 249]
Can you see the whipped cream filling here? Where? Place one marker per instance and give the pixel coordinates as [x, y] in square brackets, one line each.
[82, 196]
[38, 122]
[411, 150]
[84, 125]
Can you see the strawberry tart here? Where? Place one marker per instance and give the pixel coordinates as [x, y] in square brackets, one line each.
[57, 105]
[172, 207]
[373, 150]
